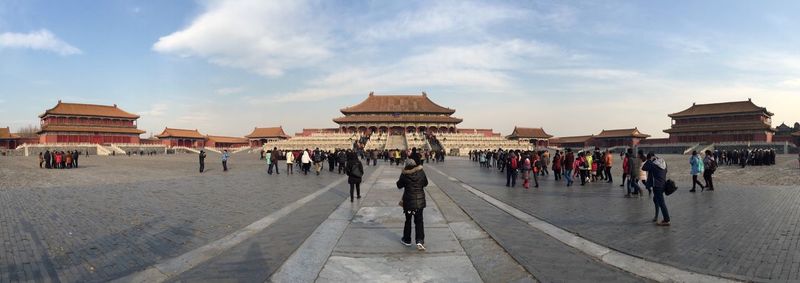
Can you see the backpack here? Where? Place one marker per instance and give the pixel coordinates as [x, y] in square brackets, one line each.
[712, 166]
[356, 171]
[670, 187]
[513, 163]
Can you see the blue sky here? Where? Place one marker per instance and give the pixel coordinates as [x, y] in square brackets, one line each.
[572, 67]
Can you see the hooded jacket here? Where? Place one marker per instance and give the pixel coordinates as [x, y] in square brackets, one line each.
[414, 181]
[656, 172]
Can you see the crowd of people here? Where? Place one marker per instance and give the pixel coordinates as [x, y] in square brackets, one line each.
[588, 167]
[745, 157]
[60, 159]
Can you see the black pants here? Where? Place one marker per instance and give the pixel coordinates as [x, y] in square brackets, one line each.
[331, 166]
[273, 164]
[47, 163]
[341, 167]
[357, 187]
[695, 182]
[608, 174]
[511, 177]
[224, 165]
[708, 176]
[202, 166]
[557, 174]
[584, 176]
[306, 168]
[419, 227]
[75, 163]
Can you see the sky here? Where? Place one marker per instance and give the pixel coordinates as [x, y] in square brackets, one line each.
[227, 66]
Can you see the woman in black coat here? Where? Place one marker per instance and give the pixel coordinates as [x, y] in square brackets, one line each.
[354, 170]
[413, 181]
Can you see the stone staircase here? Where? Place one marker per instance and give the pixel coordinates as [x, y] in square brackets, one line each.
[376, 142]
[115, 148]
[396, 142]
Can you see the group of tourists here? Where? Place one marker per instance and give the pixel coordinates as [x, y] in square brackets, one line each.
[225, 156]
[59, 159]
[588, 166]
[745, 157]
[141, 152]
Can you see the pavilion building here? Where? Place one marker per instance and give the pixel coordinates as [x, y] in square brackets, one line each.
[226, 142]
[620, 137]
[737, 121]
[260, 136]
[397, 114]
[536, 136]
[88, 123]
[182, 137]
[7, 139]
[574, 142]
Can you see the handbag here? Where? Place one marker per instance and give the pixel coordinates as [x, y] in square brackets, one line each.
[670, 187]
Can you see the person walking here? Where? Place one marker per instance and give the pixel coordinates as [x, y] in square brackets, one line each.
[557, 159]
[697, 169]
[341, 160]
[656, 169]
[47, 159]
[306, 161]
[268, 159]
[332, 161]
[710, 164]
[75, 155]
[536, 165]
[569, 165]
[225, 157]
[609, 162]
[626, 166]
[275, 156]
[545, 163]
[413, 182]
[512, 163]
[202, 161]
[316, 157]
[526, 171]
[354, 170]
[289, 163]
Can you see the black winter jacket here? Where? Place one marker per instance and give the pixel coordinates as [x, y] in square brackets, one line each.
[414, 181]
[350, 168]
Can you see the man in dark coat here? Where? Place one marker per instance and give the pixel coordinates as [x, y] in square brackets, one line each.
[355, 171]
[341, 159]
[47, 159]
[75, 155]
[273, 161]
[413, 181]
[202, 161]
[416, 156]
[656, 178]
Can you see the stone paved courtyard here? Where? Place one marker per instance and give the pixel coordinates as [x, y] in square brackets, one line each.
[120, 216]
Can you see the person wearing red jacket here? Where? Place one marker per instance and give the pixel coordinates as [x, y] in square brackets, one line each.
[557, 158]
[569, 159]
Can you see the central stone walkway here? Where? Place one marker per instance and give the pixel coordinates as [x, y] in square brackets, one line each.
[360, 242]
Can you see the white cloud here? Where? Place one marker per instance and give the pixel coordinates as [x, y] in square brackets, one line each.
[229, 90]
[156, 110]
[442, 16]
[687, 45]
[266, 37]
[38, 40]
[481, 68]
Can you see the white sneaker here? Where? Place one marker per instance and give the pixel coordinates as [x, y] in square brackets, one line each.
[420, 247]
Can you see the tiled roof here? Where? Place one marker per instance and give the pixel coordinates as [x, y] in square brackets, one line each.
[78, 109]
[537, 133]
[726, 127]
[5, 133]
[573, 139]
[180, 133]
[796, 134]
[721, 108]
[397, 104]
[622, 133]
[115, 130]
[221, 139]
[397, 118]
[273, 132]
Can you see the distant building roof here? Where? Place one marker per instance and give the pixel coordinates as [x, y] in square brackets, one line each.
[181, 133]
[573, 139]
[272, 132]
[397, 104]
[5, 134]
[91, 129]
[78, 109]
[398, 118]
[535, 133]
[622, 133]
[721, 108]
[723, 127]
[223, 139]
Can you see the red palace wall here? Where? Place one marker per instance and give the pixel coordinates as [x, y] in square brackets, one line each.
[87, 138]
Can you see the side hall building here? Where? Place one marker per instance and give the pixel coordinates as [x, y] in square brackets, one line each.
[738, 121]
[88, 123]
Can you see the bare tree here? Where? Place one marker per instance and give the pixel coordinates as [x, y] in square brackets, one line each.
[28, 131]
